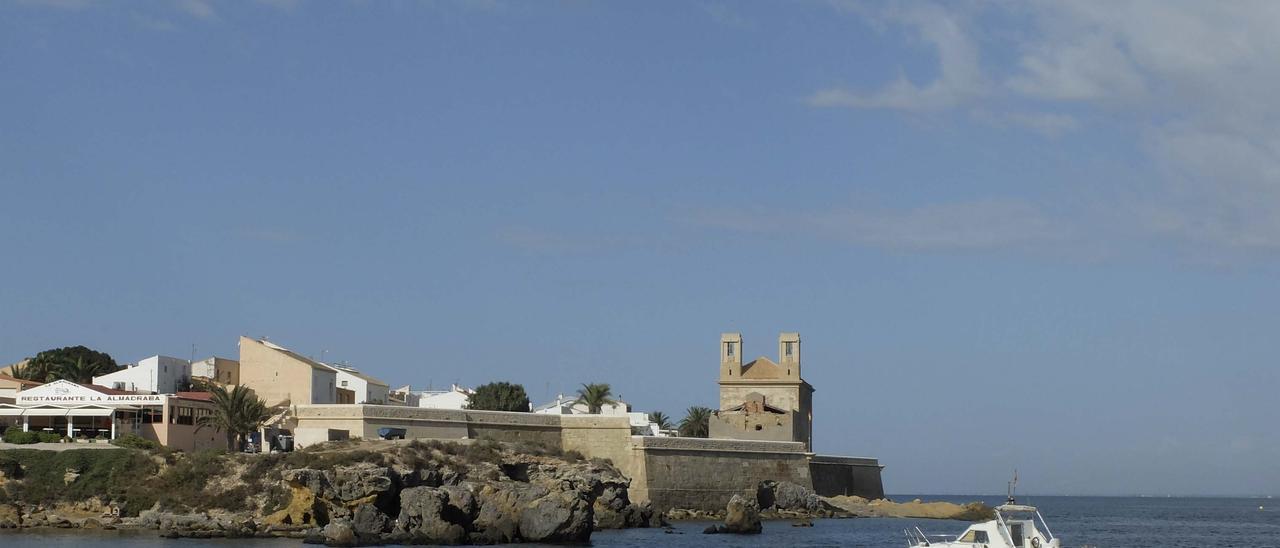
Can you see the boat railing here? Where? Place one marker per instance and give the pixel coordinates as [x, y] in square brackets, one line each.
[916, 537]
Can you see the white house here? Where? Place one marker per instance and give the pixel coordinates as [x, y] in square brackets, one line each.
[157, 375]
[565, 405]
[366, 388]
[640, 424]
[455, 397]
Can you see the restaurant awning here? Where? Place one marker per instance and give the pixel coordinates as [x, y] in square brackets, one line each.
[89, 412]
[45, 411]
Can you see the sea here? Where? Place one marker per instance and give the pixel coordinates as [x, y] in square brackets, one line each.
[1102, 522]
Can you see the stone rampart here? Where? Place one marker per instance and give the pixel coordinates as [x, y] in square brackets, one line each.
[670, 472]
[858, 476]
[704, 473]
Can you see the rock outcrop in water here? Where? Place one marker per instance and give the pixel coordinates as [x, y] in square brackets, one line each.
[358, 494]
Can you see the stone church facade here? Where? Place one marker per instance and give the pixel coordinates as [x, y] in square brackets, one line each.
[763, 399]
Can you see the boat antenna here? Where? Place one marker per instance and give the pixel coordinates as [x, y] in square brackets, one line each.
[1013, 486]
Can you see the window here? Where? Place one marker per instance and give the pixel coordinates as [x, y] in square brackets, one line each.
[790, 348]
[344, 384]
[728, 349]
[152, 415]
[186, 415]
[976, 537]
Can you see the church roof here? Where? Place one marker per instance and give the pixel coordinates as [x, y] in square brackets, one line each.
[763, 368]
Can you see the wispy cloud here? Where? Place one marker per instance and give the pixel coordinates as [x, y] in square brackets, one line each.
[959, 75]
[58, 4]
[727, 16]
[154, 23]
[1048, 124]
[971, 225]
[1194, 80]
[540, 241]
[200, 9]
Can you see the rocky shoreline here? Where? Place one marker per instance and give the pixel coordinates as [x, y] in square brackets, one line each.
[373, 493]
[342, 495]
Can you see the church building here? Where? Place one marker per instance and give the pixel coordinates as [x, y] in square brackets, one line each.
[763, 399]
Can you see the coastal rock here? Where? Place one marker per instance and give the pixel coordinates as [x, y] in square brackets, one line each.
[369, 523]
[787, 496]
[497, 519]
[742, 516]
[339, 532]
[10, 515]
[423, 519]
[557, 517]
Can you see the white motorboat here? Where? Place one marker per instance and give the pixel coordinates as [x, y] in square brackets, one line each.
[1015, 526]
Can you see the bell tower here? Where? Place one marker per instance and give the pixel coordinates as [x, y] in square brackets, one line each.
[730, 356]
[789, 354]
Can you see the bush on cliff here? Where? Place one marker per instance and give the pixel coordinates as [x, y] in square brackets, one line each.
[78, 474]
[134, 441]
[16, 436]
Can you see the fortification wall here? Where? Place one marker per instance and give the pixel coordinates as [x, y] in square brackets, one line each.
[833, 476]
[670, 472]
[704, 473]
[313, 423]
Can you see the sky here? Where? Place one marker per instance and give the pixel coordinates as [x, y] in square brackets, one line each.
[1042, 236]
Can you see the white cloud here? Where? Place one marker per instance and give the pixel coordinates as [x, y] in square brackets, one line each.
[1048, 124]
[970, 225]
[58, 4]
[959, 75]
[152, 23]
[199, 9]
[1196, 81]
[727, 16]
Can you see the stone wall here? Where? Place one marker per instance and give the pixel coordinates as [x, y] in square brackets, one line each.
[670, 472]
[834, 476]
[704, 473]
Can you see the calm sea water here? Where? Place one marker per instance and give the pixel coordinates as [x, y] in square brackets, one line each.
[1104, 522]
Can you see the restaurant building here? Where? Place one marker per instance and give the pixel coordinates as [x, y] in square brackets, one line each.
[94, 412]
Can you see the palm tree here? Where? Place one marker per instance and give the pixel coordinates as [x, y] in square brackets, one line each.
[595, 396]
[77, 371]
[236, 413]
[661, 419]
[21, 370]
[696, 422]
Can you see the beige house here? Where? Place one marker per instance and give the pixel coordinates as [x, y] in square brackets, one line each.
[222, 371]
[10, 386]
[280, 376]
[763, 399]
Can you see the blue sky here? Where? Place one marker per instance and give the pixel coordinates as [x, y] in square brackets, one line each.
[1031, 235]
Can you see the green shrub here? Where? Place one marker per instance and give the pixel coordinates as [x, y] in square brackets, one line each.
[16, 436]
[134, 441]
[117, 476]
[48, 437]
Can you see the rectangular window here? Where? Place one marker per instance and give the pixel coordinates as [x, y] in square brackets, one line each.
[186, 415]
[790, 346]
[728, 349]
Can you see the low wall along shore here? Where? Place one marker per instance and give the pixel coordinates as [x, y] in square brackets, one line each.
[691, 473]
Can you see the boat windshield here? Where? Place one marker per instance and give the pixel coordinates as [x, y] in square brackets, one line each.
[977, 537]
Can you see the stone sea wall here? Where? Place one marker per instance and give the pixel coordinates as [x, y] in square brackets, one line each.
[691, 473]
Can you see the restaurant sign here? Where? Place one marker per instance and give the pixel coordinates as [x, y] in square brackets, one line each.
[125, 399]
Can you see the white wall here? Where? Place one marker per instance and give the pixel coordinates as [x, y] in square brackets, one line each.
[365, 391]
[157, 374]
[324, 386]
[451, 399]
